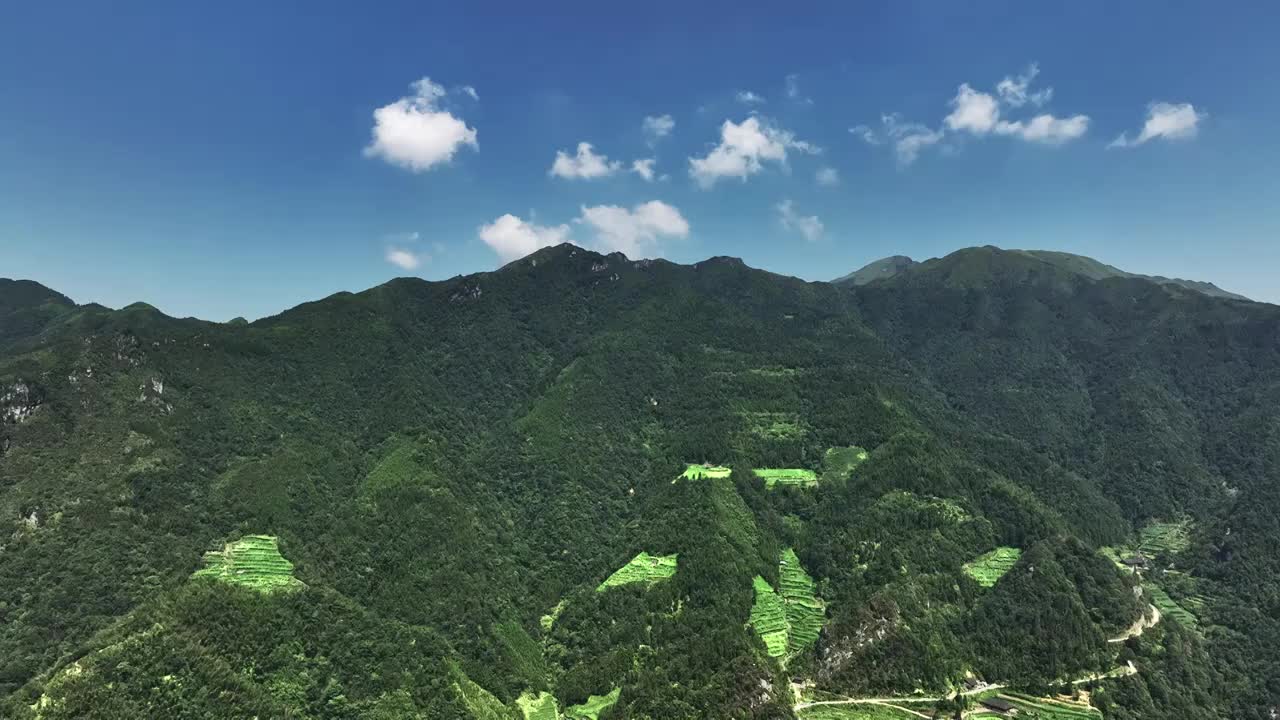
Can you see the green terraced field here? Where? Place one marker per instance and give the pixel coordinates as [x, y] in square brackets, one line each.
[1169, 607]
[989, 568]
[858, 711]
[643, 568]
[1165, 537]
[788, 620]
[538, 707]
[698, 472]
[253, 561]
[591, 709]
[776, 425]
[797, 477]
[769, 618]
[805, 612]
[1044, 709]
[841, 461]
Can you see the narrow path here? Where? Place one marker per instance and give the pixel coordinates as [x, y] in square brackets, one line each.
[1148, 620]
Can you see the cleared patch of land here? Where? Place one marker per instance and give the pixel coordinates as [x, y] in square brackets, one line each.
[775, 425]
[1165, 537]
[796, 477]
[1034, 707]
[253, 561]
[591, 709]
[538, 707]
[769, 618]
[643, 568]
[842, 461]
[698, 472]
[861, 711]
[482, 704]
[1169, 607]
[987, 569]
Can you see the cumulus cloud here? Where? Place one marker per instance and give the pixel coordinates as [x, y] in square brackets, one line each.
[1046, 128]
[656, 127]
[827, 176]
[865, 134]
[744, 148]
[584, 165]
[807, 225]
[415, 133]
[746, 97]
[1165, 121]
[973, 111]
[1015, 91]
[511, 237]
[644, 168]
[405, 259]
[636, 232]
[908, 138]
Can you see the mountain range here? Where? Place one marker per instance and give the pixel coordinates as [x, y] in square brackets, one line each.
[587, 486]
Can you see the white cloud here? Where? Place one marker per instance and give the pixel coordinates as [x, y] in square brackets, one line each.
[415, 133]
[644, 168]
[1046, 129]
[807, 225]
[585, 165]
[973, 111]
[470, 92]
[793, 90]
[746, 97]
[637, 232]
[512, 237]
[656, 127]
[1013, 91]
[744, 148]
[405, 259]
[1165, 121]
[866, 134]
[827, 176]
[909, 138]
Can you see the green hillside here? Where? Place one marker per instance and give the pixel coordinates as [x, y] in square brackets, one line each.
[442, 473]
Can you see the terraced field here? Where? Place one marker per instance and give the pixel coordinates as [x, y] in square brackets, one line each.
[643, 568]
[788, 620]
[698, 472]
[1165, 537]
[253, 561]
[482, 704]
[591, 709]
[856, 711]
[842, 461]
[796, 477]
[769, 618]
[989, 568]
[1169, 607]
[805, 613]
[1035, 708]
[538, 707]
[777, 425]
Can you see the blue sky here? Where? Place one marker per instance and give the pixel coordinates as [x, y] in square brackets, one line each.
[236, 158]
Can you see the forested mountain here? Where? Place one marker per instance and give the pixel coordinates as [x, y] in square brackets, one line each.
[586, 486]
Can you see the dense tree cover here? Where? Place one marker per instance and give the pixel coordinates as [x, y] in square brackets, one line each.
[446, 463]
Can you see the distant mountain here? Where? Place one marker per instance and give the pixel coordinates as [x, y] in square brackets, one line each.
[1077, 264]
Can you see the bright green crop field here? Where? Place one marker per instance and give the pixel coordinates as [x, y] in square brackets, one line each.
[591, 709]
[643, 568]
[796, 477]
[989, 568]
[788, 620]
[1165, 537]
[769, 618]
[1169, 607]
[697, 472]
[253, 561]
[538, 707]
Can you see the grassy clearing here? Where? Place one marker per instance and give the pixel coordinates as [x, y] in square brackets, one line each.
[591, 709]
[989, 568]
[643, 568]
[1168, 607]
[1165, 537]
[710, 472]
[796, 477]
[842, 461]
[776, 425]
[253, 561]
[1045, 709]
[769, 618]
[538, 707]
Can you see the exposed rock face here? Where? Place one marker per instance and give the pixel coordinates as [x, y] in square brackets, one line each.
[18, 402]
